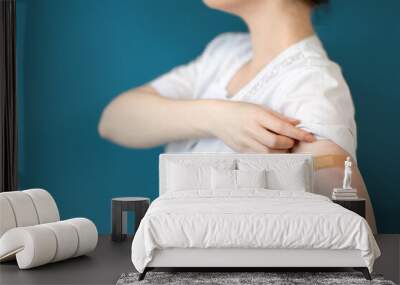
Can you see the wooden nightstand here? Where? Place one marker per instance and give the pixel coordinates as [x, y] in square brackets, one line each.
[357, 205]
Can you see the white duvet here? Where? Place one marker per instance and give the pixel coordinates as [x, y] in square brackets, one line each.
[250, 219]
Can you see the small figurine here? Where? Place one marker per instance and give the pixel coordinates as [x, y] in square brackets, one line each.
[346, 192]
[347, 174]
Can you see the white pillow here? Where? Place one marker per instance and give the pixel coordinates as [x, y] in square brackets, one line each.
[193, 174]
[293, 180]
[282, 174]
[251, 178]
[237, 179]
[223, 179]
[187, 177]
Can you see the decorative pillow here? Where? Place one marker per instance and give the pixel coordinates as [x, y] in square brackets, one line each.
[223, 179]
[251, 178]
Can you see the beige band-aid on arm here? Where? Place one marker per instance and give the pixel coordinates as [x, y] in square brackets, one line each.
[329, 161]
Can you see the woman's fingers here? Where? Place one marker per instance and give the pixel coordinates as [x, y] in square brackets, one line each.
[253, 146]
[250, 127]
[281, 127]
[271, 140]
[291, 121]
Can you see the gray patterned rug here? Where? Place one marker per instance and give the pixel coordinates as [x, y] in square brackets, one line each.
[269, 278]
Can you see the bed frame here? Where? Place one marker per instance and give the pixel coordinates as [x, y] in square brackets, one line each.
[233, 259]
[237, 259]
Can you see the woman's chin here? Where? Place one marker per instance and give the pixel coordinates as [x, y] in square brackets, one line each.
[229, 6]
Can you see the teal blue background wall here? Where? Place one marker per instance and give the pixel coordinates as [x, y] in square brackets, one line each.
[74, 56]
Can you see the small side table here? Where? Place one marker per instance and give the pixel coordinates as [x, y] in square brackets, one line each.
[357, 205]
[120, 206]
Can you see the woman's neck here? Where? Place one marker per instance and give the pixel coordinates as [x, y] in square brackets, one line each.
[274, 26]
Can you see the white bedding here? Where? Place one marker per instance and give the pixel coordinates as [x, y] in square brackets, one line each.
[251, 218]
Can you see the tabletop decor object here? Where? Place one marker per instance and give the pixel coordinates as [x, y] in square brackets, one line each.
[346, 192]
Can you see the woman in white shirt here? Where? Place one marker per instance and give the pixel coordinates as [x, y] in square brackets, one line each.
[271, 90]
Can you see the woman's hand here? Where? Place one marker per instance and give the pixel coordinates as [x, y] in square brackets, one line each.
[247, 127]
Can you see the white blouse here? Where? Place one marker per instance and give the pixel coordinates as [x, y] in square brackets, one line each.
[301, 82]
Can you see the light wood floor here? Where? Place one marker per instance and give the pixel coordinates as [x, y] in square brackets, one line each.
[110, 260]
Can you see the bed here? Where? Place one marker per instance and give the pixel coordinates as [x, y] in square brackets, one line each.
[247, 211]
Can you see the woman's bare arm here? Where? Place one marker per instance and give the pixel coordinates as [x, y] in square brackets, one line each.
[142, 118]
[328, 178]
